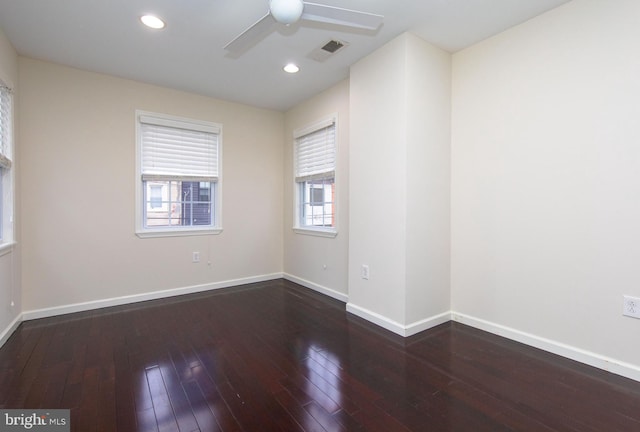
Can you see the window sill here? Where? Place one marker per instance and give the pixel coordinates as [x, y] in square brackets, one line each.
[178, 233]
[331, 233]
[6, 248]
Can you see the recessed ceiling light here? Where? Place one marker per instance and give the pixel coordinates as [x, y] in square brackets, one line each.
[291, 68]
[152, 21]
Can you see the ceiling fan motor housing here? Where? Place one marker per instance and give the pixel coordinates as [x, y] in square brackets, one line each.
[286, 11]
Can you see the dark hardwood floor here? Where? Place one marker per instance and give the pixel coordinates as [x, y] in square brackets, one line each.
[274, 356]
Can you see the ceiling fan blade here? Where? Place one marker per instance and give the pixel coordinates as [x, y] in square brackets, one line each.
[340, 16]
[252, 35]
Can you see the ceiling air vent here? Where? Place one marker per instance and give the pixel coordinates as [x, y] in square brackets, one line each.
[332, 46]
[327, 50]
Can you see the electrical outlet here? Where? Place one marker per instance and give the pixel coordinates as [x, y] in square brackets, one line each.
[631, 307]
[196, 257]
[364, 272]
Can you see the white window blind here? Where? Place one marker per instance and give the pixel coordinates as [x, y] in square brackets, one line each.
[5, 127]
[316, 152]
[178, 150]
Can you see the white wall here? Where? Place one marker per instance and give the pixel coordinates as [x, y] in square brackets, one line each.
[399, 185]
[428, 81]
[546, 179]
[10, 288]
[377, 163]
[78, 175]
[305, 256]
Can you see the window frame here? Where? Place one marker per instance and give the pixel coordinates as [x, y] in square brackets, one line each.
[299, 186]
[7, 173]
[215, 192]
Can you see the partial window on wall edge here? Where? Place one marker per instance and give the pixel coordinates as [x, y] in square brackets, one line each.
[6, 165]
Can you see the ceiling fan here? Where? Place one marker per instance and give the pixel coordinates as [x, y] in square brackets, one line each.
[291, 11]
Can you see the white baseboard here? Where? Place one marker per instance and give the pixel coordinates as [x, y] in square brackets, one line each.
[614, 366]
[116, 301]
[592, 359]
[319, 288]
[6, 333]
[427, 323]
[396, 327]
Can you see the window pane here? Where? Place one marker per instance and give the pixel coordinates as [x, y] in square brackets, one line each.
[317, 203]
[196, 204]
[317, 195]
[1, 203]
[156, 196]
[178, 203]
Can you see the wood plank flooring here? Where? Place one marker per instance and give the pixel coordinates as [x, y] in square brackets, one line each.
[274, 356]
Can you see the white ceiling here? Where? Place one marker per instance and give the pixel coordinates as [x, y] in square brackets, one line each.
[106, 36]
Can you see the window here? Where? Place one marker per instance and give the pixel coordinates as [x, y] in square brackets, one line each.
[6, 173]
[315, 166]
[178, 176]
